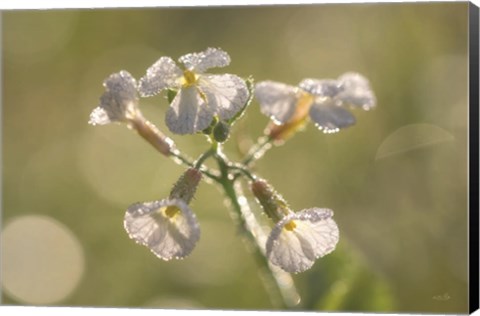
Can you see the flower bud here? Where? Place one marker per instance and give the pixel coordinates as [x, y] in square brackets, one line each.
[221, 132]
[273, 203]
[186, 185]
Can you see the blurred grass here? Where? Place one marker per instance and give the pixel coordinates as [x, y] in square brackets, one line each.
[402, 219]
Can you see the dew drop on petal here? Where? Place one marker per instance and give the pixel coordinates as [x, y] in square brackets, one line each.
[99, 117]
[226, 94]
[330, 118]
[164, 73]
[210, 58]
[324, 88]
[119, 101]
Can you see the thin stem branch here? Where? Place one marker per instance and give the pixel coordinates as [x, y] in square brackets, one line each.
[258, 150]
[243, 171]
[181, 159]
[204, 157]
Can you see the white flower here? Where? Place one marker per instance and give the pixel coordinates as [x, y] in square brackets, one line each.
[167, 227]
[323, 100]
[300, 238]
[327, 111]
[119, 103]
[200, 95]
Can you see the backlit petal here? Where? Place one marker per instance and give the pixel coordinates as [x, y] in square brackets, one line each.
[163, 74]
[356, 91]
[324, 88]
[329, 117]
[167, 237]
[188, 112]
[277, 100]
[199, 62]
[226, 94]
[119, 102]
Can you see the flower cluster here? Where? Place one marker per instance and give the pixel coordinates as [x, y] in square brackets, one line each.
[209, 104]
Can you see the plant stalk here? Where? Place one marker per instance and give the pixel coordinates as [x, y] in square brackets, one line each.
[278, 283]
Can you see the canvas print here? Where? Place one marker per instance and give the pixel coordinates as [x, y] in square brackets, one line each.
[299, 158]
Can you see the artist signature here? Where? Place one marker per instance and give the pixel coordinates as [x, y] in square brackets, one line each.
[442, 297]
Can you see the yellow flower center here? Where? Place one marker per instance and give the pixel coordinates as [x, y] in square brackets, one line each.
[171, 211]
[290, 226]
[189, 78]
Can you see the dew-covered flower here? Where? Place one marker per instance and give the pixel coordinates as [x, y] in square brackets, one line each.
[167, 227]
[119, 102]
[332, 96]
[300, 238]
[297, 239]
[200, 95]
[324, 101]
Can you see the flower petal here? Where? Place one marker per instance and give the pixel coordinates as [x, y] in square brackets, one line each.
[99, 116]
[277, 100]
[168, 237]
[329, 117]
[188, 112]
[324, 88]
[295, 250]
[164, 73]
[226, 94]
[119, 102]
[356, 91]
[199, 62]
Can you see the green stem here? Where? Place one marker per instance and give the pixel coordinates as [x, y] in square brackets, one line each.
[281, 280]
[243, 171]
[258, 150]
[278, 283]
[179, 158]
[203, 157]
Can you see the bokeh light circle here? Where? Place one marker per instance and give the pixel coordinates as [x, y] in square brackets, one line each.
[42, 261]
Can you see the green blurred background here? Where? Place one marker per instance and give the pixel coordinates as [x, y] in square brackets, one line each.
[397, 180]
